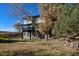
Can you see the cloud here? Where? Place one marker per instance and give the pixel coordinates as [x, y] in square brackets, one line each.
[8, 29]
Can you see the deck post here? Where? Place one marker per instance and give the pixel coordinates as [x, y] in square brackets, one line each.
[22, 33]
[30, 35]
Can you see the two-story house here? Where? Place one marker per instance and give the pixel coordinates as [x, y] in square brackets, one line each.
[30, 26]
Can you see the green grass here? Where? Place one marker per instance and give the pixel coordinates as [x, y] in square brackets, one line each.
[3, 38]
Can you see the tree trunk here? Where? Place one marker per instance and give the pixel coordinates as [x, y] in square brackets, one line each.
[50, 34]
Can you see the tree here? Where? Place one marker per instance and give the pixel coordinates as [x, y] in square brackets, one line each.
[49, 14]
[68, 20]
[19, 11]
[18, 27]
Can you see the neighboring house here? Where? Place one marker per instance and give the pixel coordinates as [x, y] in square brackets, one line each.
[30, 27]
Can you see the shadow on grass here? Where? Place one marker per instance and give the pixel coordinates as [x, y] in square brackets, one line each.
[24, 40]
[11, 41]
[8, 41]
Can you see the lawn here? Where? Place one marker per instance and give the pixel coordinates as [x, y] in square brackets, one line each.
[36, 48]
[3, 38]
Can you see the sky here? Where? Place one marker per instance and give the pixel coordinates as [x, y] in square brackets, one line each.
[7, 20]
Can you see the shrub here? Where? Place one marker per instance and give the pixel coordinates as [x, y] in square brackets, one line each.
[68, 21]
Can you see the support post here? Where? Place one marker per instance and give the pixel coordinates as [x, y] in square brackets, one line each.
[22, 33]
[30, 35]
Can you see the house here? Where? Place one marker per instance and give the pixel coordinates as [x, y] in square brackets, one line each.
[30, 27]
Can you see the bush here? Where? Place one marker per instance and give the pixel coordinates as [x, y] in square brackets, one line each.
[68, 21]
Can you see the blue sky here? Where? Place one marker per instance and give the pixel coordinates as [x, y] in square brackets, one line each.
[7, 21]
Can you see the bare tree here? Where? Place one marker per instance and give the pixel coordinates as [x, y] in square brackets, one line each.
[18, 27]
[19, 9]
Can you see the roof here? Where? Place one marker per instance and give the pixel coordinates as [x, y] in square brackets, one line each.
[26, 24]
[34, 16]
